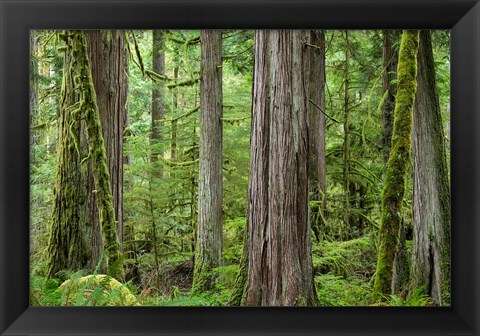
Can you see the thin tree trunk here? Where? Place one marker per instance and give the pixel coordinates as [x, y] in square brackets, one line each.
[208, 250]
[279, 262]
[34, 74]
[431, 196]
[173, 141]
[346, 145]
[158, 96]
[394, 187]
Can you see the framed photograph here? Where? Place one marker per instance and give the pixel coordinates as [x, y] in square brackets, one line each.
[237, 167]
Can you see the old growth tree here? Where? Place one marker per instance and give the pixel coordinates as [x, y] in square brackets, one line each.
[279, 260]
[76, 241]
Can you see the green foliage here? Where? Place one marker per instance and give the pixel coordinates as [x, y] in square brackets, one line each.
[333, 290]
[164, 206]
[44, 292]
[95, 290]
[346, 259]
[92, 290]
[416, 299]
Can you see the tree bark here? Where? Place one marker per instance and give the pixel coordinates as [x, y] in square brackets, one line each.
[69, 247]
[75, 242]
[316, 129]
[394, 187]
[431, 196]
[279, 262]
[208, 251]
[108, 58]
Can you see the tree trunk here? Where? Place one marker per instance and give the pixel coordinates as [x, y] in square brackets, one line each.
[109, 72]
[68, 246]
[158, 95]
[389, 87]
[431, 196]
[173, 141]
[394, 187]
[346, 145]
[34, 92]
[279, 262]
[316, 129]
[208, 250]
[75, 242]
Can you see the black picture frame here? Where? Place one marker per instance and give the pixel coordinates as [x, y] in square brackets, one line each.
[17, 17]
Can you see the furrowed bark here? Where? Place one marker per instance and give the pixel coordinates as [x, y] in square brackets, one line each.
[208, 251]
[431, 196]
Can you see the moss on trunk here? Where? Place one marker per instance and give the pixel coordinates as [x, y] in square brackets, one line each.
[397, 162]
[97, 155]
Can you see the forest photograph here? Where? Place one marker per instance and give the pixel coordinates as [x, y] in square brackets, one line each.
[240, 168]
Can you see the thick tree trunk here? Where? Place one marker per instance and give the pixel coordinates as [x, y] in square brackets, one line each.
[394, 188]
[279, 262]
[75, 241]
[108, 58]
[158, 95]
[316, 129]
[68, 246]
[431, 196]
[208, 250]
[97, 154]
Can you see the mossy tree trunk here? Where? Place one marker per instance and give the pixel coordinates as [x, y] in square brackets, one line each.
[316, 128]
[279, 259]
[431, 196]
[239, 290]
[80, 124]
[69, 247]
[158, 96]
[389, 90]
[208, 251]
[173, 141]
[394, 187]
[389, 87]
[108, 57]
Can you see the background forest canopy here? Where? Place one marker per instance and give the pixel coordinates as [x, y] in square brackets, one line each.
[235, 167]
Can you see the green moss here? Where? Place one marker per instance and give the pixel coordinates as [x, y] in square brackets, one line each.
[238, 294]
[97, 155]
[397, 163]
